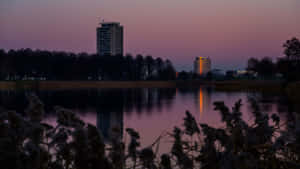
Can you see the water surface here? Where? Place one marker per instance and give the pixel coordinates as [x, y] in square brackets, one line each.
[151, 111]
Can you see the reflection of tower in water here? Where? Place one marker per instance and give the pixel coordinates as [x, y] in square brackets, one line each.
[110, 114]
[203, 100]
[109, 121]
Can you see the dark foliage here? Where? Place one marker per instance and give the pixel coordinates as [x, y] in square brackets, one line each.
[288, 66]
[264, 67]
[28, 143]
[26, 63]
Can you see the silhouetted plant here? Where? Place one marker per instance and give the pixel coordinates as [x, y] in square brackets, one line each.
[266, 142]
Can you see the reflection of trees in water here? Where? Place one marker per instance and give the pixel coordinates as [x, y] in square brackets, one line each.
[12, 100]
[138, 99]
[109, 104]
[281, 103]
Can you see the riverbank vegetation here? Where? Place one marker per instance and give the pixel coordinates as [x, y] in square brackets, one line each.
[254, 85]
[26, 64]
[26, 142]
[288, 66]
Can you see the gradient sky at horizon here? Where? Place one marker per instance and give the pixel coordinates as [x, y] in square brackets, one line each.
[228, 31]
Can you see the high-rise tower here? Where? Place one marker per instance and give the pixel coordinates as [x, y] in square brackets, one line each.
[110, 39]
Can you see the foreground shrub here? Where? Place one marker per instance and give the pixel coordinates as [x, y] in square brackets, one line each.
[266, 143]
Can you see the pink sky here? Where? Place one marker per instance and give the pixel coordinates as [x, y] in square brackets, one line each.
[228, 31]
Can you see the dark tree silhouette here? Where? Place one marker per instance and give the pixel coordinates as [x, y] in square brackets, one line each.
[264, 67]
[252, 64]
[149, 66]
[288, 66]
[292, 49]
[26, 64]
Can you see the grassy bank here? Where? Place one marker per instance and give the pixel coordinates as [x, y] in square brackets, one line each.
[7, 85]
[53, 85]
[250, 85]
[293, 90]
[233, 85]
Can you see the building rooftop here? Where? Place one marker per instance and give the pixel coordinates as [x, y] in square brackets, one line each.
[202, 57]
[110, 23]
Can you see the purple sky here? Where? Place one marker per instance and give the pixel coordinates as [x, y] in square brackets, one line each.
[228, 31]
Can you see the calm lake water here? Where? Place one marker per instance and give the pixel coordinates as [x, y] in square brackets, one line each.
[151, 111]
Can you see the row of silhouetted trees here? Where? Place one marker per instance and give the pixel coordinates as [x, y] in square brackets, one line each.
[288, 66]
[26, 64]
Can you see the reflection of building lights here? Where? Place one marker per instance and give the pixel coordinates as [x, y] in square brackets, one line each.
[200, 101]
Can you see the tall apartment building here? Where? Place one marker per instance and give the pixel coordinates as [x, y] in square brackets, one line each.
[202, 65]
[110, 39]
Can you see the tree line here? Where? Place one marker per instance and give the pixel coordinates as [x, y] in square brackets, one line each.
[26, 63]
[288, 66]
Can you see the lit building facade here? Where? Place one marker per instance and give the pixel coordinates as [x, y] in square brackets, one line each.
[110, 39]
[202, 65]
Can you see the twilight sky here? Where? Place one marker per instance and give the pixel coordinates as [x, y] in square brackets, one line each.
[228, 31]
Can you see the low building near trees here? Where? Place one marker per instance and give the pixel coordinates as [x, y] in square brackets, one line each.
[202, 65]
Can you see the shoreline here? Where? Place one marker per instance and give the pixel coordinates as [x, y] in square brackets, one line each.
[234, 85]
